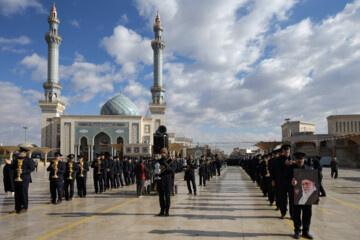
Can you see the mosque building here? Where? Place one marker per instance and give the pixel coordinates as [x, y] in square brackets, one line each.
[119, 122]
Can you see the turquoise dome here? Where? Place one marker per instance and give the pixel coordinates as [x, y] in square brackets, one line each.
[120, 105]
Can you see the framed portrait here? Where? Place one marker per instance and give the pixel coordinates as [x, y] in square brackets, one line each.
[128, 150]
[136, 150]
[306, 191]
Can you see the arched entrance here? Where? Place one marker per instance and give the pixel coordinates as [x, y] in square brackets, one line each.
[84, 149]
[100, 139]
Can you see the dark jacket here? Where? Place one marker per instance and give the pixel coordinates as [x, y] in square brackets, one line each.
[60, 172]
[190, 170]
[27, 167]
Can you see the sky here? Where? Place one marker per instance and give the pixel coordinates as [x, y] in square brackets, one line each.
[233, 69]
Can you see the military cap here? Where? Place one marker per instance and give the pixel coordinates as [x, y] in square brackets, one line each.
[285, 147]
[80, 156]
[299, 155]
[23, 149]
[58, 154]
[71, 156]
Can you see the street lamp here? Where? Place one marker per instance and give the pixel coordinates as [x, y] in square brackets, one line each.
[25, 132]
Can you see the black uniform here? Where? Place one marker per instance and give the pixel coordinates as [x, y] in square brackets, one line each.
[70, 182]
[22, 188]
[126, 170]
[111, 174]
[165, 185]
[202, 172]
[56, 184]
[81, 181]
[98, 178]
[8, 177]
[190, 176]
[317, 165]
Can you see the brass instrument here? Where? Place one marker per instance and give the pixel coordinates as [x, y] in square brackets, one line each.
[189, 166]
[56, 163]
[70, 170]
[163, 168]
[20, 163]
[99, 166]
[81, 169]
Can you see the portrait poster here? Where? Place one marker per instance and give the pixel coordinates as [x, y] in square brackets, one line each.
[306, 190]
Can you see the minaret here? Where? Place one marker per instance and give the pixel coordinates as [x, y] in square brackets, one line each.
[51, 107]
[158, 106]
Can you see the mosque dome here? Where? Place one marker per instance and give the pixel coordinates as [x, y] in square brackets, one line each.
[120, 105]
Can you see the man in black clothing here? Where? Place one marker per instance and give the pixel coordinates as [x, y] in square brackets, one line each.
[99, 167]
[279, 180]
[22, 167]
[56, 171]
[202, 171]
[190, 174]
[305, 209]
[165, 183]
[81, 176]
[69, 177]
[317, 165]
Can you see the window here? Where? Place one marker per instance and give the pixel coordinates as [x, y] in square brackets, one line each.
[340, 129]
[352, 128]
[348, 127]
[336, 127]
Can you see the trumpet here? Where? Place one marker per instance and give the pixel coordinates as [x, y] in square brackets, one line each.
[70, 170]
[99, 166]
[81, 169]
[20, 163]
[56, 163]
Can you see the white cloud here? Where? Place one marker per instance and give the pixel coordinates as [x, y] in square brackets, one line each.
[22, 40]
[232, 81]
[17, 111]
[37, 62]
[9, 7]
[75, 23]
[128, 48]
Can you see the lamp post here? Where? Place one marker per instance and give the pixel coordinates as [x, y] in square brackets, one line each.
[25, 132]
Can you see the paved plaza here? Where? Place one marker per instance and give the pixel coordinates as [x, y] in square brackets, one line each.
[229, 207]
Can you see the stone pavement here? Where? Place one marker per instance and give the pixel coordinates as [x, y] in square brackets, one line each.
[229, 207]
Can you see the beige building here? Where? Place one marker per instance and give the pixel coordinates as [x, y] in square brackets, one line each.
[342, 140]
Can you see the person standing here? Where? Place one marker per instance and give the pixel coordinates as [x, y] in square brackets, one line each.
[22, 167]
[126, 170]
[69, 177]
[8, 178]
[305, 209]
[218, 164]
[99, 167]
[202, 171]
[140, 173]
[317, 165]
[81, 176]
[334, 168]
[190, 175]
[165, 183]
[56, 171]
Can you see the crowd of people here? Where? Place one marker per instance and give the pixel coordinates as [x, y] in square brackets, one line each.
[274, 174]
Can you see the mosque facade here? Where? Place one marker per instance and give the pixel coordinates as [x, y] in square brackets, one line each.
[119, 129]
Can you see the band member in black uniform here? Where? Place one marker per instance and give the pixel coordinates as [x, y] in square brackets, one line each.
[81, 176]
[266, 180]
[110, 172]
[190, 174]
[284, 187]
[202, 171]
[104, 159]
[317, 165]
[120, 164]
[8, 177]
[218, 164]
[56, 170]
[132, 171]
[305, 209]
[22, 168]
[69, 177]
[126, 170]
[165, 183]
[99, 167]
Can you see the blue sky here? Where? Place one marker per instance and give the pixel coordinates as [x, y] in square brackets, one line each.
[234, 70]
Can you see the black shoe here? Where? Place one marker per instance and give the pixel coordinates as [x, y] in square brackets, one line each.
[277, 209]
[166, 214]
[297, 235]
[161, 214]
[307, 235]
[270, 204]
[282, 217]
[189, 193]
[324, 195]
[195, 193]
